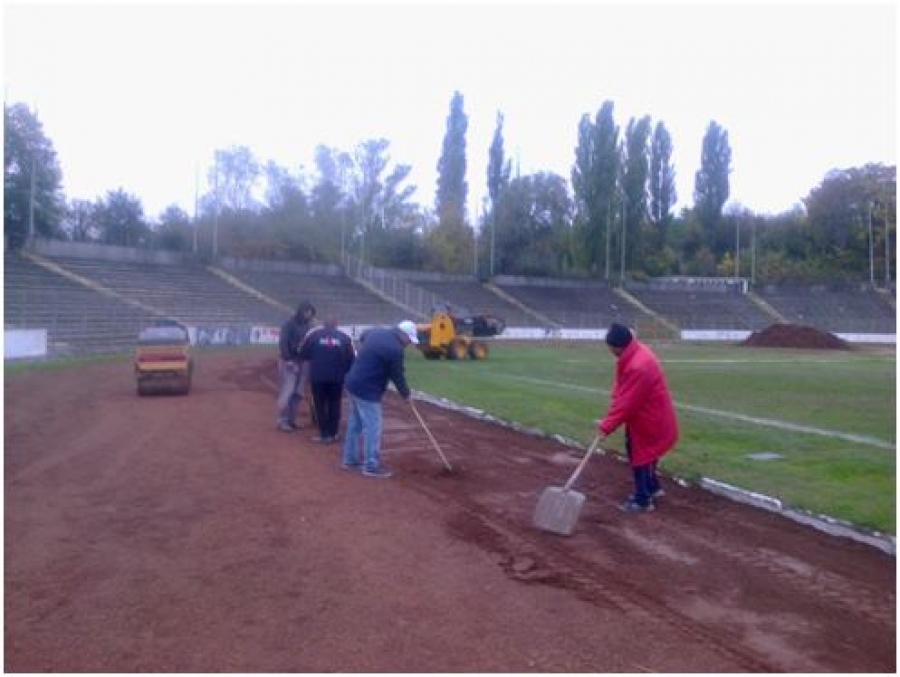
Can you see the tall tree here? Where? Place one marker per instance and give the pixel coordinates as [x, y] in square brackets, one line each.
[663, 194]
[711, 183]
[498, 173]
[451, 242]
[594, 179]
[452, 189]
[635, 172]
[234, 176]
[32, 179]
[78, 221]
[534, 226]
[120, 219]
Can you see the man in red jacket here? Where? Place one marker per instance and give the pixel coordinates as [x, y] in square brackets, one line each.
[641, 400]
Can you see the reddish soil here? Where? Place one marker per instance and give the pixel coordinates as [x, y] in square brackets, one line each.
[794, 336]
[184, 534]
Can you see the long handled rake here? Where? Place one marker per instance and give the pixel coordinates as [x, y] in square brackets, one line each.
[437, 447]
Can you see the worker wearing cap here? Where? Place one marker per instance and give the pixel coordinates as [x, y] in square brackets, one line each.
[640, 400]
[379, 360]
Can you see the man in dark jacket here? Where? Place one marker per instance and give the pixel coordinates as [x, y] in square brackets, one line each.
[290, 368]
[380, 359]
[329, 352]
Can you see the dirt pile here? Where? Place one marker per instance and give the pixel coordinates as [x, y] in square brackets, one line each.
[794, 336]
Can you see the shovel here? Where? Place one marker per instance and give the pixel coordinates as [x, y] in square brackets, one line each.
[559, 507]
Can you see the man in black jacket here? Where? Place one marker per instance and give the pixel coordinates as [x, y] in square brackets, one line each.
[380, 360]
[290, 368]
[329, 352]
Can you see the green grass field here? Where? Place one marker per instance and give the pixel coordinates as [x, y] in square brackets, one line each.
[829, 415]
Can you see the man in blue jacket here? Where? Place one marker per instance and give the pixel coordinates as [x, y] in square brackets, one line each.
[330, 355]
[380, 359]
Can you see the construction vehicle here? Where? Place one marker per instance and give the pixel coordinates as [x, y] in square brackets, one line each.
[162, 359]
[455, 338]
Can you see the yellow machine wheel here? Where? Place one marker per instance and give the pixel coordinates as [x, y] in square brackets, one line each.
[457, 350]
[478, 350]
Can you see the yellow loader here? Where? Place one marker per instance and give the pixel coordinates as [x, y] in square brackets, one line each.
[456, 338]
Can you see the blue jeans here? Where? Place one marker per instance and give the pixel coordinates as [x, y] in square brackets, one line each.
[363, 429]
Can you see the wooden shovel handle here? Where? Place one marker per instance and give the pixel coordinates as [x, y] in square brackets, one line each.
[583, 463]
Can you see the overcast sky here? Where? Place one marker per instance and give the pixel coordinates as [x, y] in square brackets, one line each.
[139, 95]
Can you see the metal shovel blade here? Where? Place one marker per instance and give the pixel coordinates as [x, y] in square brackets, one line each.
[558, 510]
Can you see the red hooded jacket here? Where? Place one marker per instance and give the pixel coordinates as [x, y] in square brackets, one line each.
[641, 400]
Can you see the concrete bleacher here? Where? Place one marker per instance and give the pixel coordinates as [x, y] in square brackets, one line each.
[188, 292]
[78, 320]
[571, 304]
[858, 311]
[703, 309]
[326, 287]
[468, 296]
[94, 299]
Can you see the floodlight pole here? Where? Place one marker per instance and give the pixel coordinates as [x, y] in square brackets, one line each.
[871, 251]
[887, 250]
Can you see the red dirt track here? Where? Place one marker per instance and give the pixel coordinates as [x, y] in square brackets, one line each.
[185, 534]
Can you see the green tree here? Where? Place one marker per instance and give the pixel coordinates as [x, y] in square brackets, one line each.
[450, 243]
[535, 215]
[839, 210]
[174, 232]
[711, 184]
[120, 219]
[78, 222]
[32, 179]
[635, 172]
[663, 194]
[594, 179]
[234, 177]
[498, 175]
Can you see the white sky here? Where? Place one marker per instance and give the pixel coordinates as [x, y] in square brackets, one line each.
[138, 96]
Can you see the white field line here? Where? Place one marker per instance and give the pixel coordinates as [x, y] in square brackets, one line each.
[754, 420]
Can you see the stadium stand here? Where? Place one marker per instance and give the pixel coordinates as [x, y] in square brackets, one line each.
[860, 311]
[709, 309]
[325, 287]
[468, 297]
[78, 320]
[96, 304]
[575, 305]
[187, 292]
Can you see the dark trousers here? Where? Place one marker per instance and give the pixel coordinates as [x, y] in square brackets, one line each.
[327, 401]
[646, 483]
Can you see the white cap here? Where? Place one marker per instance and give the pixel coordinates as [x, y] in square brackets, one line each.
[409, 328]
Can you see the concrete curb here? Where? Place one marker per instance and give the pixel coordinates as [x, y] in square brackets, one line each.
[830, 525]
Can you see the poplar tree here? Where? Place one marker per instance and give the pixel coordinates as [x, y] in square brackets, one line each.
[711, 183]
[663, 194]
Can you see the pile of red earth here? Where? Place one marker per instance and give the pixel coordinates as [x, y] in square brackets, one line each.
[794, 336]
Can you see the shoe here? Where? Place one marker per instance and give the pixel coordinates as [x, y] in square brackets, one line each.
[656, 494]
[380, 472]
[350, 466]
[632, 506]
[286, 427]
[320, 439]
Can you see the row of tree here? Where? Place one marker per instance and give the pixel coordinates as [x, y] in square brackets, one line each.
[613, 220]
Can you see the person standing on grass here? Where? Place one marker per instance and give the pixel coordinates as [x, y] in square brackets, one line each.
[291, 370]
[329, 352]
[379, 360]
[642, 402]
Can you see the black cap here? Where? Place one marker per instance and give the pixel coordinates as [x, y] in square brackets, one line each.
[618, 335]
[305, 306]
